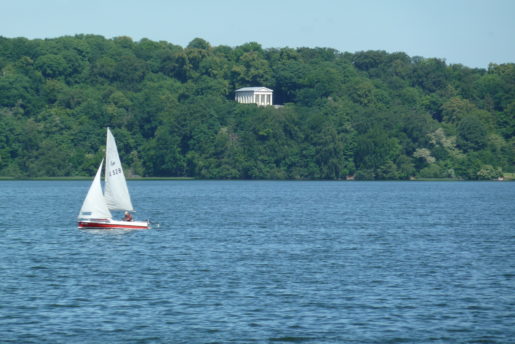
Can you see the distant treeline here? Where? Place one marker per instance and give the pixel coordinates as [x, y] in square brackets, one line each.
[370, 114]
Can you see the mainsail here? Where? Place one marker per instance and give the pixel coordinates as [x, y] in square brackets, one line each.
[94, 206]
[116, 193]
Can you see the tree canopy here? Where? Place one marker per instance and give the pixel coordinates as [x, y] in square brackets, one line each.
[369, 114]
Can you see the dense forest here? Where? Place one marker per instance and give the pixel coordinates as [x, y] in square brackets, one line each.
[366, 115]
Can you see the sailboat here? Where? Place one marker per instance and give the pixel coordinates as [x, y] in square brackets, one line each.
[96, 209]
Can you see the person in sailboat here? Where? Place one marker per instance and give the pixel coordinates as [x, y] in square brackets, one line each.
[127, 217]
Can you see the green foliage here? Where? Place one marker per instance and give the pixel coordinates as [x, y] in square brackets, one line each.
[488, 172]
[472, 134]
[371, 114]
[375, 152]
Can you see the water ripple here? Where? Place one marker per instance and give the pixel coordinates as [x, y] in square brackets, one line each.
[262, 262]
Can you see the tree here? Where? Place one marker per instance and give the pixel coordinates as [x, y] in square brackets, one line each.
[375, 152]
[52, 65]
[472, 134]
[199, 43]
[252, 69]
[456, 108]
[430, 74]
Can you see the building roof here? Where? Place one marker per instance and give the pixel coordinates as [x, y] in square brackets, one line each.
[255, 89]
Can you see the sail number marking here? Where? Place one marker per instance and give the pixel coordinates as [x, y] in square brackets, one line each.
[115, 171]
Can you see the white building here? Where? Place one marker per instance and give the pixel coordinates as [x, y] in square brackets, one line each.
[254, 95]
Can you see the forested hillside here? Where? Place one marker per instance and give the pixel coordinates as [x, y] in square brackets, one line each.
[371, 114]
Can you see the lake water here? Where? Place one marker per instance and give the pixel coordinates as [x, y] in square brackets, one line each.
[262, 262]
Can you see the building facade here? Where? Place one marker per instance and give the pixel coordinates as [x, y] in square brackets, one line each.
[254, 95]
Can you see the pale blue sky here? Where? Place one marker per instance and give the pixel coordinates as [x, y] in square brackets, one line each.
[471, 32]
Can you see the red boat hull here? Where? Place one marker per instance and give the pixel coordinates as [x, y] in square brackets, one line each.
[111, 224]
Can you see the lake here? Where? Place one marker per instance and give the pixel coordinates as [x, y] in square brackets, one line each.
[262, 262]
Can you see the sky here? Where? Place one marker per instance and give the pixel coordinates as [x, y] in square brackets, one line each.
[473, 33]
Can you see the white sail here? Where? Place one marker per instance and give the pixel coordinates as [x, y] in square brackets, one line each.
[116, 193]
[94, 206]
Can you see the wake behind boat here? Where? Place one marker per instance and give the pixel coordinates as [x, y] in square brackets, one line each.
[96, 209]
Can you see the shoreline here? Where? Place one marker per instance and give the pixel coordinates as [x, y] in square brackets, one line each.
[507, 178]
[91, 178]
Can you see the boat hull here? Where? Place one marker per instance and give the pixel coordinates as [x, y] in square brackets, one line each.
[112, 224]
